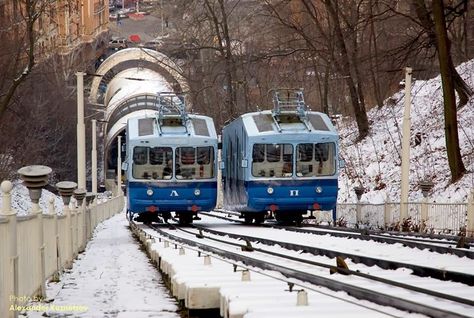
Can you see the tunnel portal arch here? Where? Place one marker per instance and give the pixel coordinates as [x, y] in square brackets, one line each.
[169, 69]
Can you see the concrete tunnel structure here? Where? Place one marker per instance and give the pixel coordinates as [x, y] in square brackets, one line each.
[127, 85]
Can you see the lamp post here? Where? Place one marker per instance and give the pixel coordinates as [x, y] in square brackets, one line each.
[119, 165]
[405, 147]
[94, 156]
[81, 133]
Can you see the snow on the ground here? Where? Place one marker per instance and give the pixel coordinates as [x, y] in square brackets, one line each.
[375, 163]
[113, 278]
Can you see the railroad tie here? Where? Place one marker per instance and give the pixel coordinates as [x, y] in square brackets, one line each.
[341, 267]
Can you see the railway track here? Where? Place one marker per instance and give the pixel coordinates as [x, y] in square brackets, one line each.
[442, 245]
[398, 292]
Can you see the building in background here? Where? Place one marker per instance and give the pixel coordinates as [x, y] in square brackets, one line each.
[59, 26]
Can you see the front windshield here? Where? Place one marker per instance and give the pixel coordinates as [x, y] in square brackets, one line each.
[315, 159]
[276, 160]
[152, 163]
[272, 160]
[194, 163]
[156, 163]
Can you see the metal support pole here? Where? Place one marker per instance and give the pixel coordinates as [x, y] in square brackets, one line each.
[119, 165]
[81, 133]
[470, 215]
[94, 156]
[405, 147]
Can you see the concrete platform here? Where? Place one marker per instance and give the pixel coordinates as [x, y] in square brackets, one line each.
[207, 283]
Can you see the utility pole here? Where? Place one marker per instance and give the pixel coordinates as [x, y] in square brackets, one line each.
[81, 133]
[404, 186]
[119, 165]
[94, 156]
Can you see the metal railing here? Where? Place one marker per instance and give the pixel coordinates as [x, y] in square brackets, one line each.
[442, 218]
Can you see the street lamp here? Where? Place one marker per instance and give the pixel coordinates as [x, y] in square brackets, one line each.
[81, 133]
[405, 147]
[94, 156]
[119, 165]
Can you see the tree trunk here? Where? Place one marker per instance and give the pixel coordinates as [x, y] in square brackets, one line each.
[350, 76]
[463, 90]
[325, 95]
[222, 34]
[374, 60]
[448, 79]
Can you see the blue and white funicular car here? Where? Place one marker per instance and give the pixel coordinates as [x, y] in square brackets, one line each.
[171, 162]
[283, 160]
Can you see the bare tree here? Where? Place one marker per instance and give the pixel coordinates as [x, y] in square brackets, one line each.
[426, 20]
[21, 29]
[321, 25]
[448, 78]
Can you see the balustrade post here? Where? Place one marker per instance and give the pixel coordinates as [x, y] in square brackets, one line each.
[52, 211]
[89, 203]
[79, 195]
[35, 177]
[65, 189]
[10, 215]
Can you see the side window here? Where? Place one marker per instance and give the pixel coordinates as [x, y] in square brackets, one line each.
[140, 155]
[258, 153]
[273, 153]
[305, 152]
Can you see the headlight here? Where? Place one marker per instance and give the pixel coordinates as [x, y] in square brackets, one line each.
[197, 192]
[270, 190]
[319, 189]
[149, 192]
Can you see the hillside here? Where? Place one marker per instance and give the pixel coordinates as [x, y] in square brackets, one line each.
[376, 161]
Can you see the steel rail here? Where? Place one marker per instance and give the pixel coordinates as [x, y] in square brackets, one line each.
[421, 271]
[371, 236]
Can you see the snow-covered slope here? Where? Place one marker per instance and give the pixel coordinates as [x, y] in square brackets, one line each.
[375, 163]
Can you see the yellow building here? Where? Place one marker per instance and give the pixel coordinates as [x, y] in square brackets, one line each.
[59, 26]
